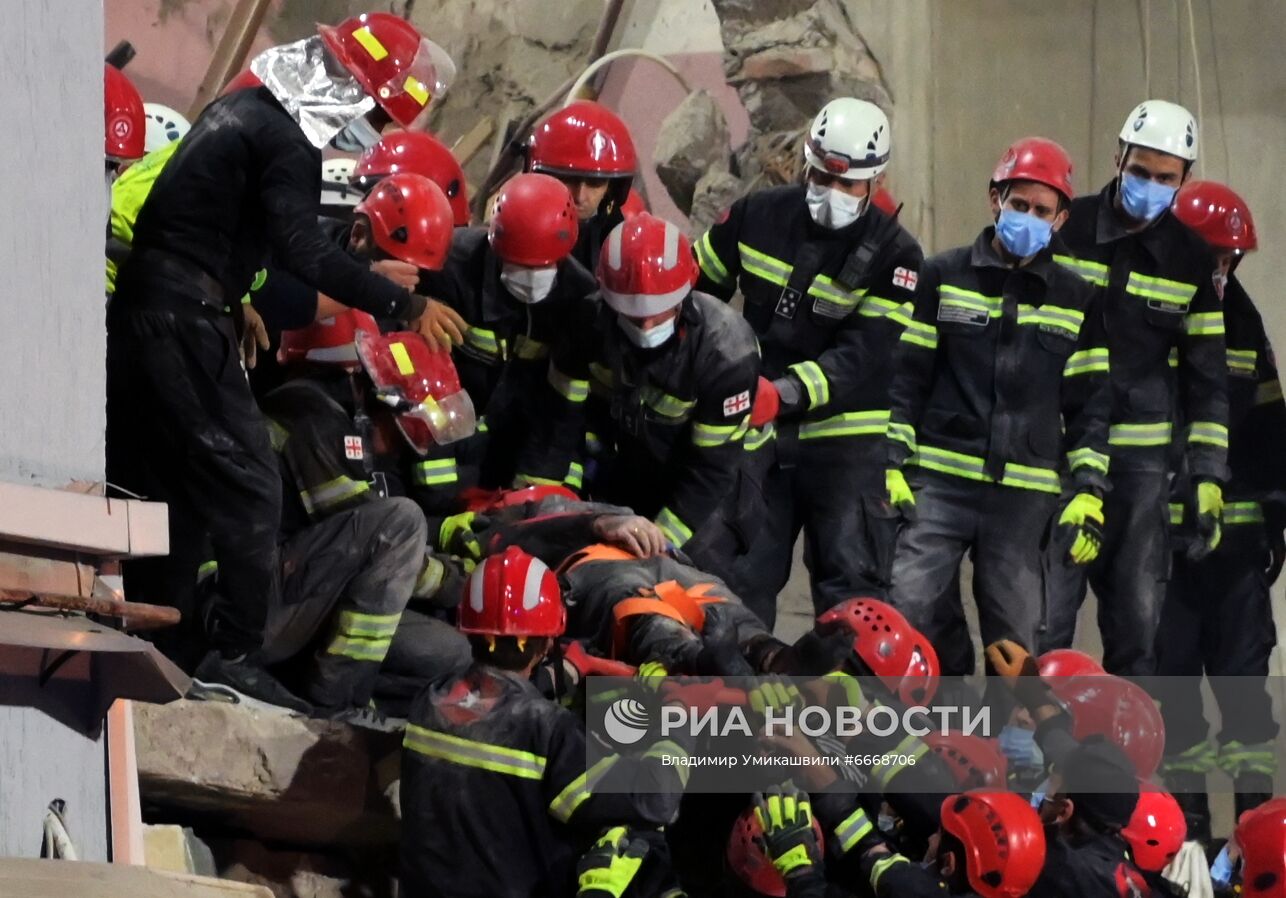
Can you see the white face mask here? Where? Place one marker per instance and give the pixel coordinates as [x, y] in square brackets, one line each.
[649, 338]
[833, 208]
[357, 135]
[528, 285]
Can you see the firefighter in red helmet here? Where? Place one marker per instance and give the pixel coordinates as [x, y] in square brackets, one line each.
[1217, 618]
[124, 123]
[421, 154]
[587, 147]
[1000, 380]
[182, 424]
[496, 798]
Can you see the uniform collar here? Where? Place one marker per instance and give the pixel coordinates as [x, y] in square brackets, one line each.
[984, 255]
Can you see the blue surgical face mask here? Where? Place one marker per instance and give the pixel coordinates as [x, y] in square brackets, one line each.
[1142, 199]
[1022, 233]
[1223, 869]
[887, 824]
[1018, 744]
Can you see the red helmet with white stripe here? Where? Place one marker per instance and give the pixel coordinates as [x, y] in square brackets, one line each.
[328, 341]
[125, 124]
[512, 594]
[646, 266]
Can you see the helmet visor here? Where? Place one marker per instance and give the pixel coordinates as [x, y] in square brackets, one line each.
[429, 75]
[448, 420]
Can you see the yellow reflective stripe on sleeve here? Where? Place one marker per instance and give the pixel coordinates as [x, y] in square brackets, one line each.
[774, 271]
[708, 436]
[1139, 434]
[911, 749]
[1204, 324]
[670, 749]
[710, 262]
[1087, 361]
[569, 388]
[673, 527]
[363, 637]
[1173, 359]
[920, 334]
[1094, 272]
[575, 475]
[1175, 294]
[1176, 514]
[757, 439]
[332, 493]
[468, 753]
[483, 340]
[971, 467]
[579, 790]
[430, 579]
[1069, 320]
[664, 404]
[853, 829]
[277, 435]
[1085, 457]
[814, 381]
[870, 423]
[902, 433]
[1208, 432]
[436, 472]
[1242, 361]
[370, 43]
[883, 866]
[1243, 513]
[529, 350]
[1268, 391]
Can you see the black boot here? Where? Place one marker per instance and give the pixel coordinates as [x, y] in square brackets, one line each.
[232, 679]
[1189, 790]
[1253, 789]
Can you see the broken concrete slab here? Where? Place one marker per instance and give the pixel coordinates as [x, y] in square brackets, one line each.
[300, 874]
[715, 192]
[306, 782]
[692, 141]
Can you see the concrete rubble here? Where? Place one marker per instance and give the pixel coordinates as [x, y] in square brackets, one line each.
[692, 143]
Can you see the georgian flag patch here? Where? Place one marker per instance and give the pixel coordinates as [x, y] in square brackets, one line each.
[735, 405]
[905, 278]
[353, 448]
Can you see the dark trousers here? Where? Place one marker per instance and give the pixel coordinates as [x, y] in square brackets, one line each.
[1006, 528]
[345, 584]
[1128, 578]
[1217, 620]
[849, 534]
[182, 428]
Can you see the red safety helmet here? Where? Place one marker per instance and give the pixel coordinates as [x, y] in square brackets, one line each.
[892, 649]
[494, 500]
[512, 594]
[1036, 159]
[1261, 836]
[421, 154]
[411, 219]
[583, 139]
[646, 266]
[1068, 663]
[330, 341]
[634, 204]
[244, 79]
[1217, 214]
[1156, 829]
[748, 860]
[1119, 711]
[533, 221]
[397, 66]
[125, 123]
[974, 762]
[1003, 840]
[420, 385]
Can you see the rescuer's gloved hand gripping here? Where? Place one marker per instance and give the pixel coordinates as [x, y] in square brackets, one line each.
[1209, 519]
[1082, 523]
[607, 869]
[900, 495]
[790, 841]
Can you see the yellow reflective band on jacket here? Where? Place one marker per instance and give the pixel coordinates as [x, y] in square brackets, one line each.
[1176, 514]
[1085, 457]
[1200, 758]
[674, 529]
[1204, 324]
[829, 291]
[1269, 391]
[1243, 513]
[529, 350]
[970, 301]
[1242, 361]
[436, 472]
[814, 381]
[669, 749]
[1094, 272]
[277, 435]
[1208, 432]
[882, 866]
[1087, 361]
[971, 467]
[430, 579]
[849, 424]
[334, 492]
[363, 637]
[1173, 359]
[907, 754]
[1175, 295]
[666, 405]
[580, 789]
[575, 475]
[569, 388]
[1258, 757]
[206, 569]
[878, 307]
[1139, 434]
[484, 341]
[1068, 320]
[902, 433]
[756, 438]
[763, 266]
[468, 753]
[853, 829]
[920, 334]
[709, 436]
[710, 262]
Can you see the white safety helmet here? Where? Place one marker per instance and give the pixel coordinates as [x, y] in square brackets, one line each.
[335, 188]
[1162, 125]
[164, 126]
[849, 139]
